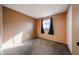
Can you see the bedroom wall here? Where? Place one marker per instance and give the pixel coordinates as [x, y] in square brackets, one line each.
[15, 23]
[1, 25]
[1, 28]
[75, 29]
[59, 24]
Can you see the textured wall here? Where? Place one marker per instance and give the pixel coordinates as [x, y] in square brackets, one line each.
[59, 24]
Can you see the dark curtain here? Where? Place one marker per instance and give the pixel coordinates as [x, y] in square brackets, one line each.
[42, 30]
[51, 30]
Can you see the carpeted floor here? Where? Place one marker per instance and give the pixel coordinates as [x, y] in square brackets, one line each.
[39, 47]
[46, 47]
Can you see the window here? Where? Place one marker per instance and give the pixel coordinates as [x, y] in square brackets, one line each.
[46, 24]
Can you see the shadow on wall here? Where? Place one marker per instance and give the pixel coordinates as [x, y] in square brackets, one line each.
[15, 41]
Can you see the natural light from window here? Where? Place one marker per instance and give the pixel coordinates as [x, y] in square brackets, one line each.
[18, 38]
[13, 42]
[46, 23]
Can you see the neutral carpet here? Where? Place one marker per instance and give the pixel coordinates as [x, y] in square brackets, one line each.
[39, 46]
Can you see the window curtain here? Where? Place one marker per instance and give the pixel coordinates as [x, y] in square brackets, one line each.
[42, 29]
[51, 30]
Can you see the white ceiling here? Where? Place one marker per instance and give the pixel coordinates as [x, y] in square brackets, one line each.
[38, 10]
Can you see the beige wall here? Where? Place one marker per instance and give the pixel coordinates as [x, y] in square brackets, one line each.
[14, 23]
[75, 29]
[69, 28]
[1, 25]
[59, 24]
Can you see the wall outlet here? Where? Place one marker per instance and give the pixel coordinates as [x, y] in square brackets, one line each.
[77, 43]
